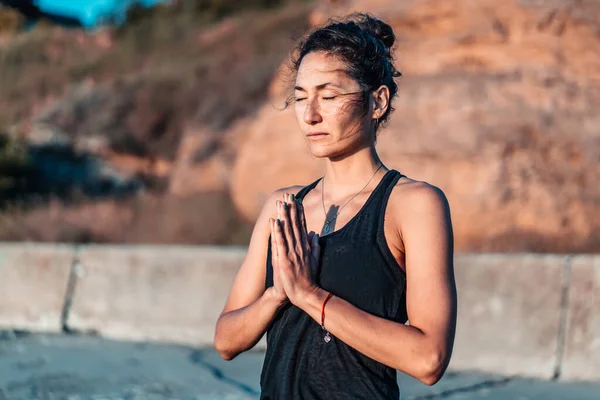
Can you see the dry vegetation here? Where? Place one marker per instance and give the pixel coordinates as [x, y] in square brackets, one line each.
[168, 66]
[136, 87]
[10, 21]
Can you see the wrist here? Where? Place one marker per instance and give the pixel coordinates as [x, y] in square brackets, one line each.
[311, 300]
[272, 297]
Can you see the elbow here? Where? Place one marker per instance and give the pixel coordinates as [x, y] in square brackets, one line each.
[227, 356]
[433, 368]
[224, 351]
[223, 347]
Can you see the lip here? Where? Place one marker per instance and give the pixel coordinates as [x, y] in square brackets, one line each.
[317, 135]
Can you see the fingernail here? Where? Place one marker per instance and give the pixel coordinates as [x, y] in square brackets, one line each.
[299, 201]
[278, 222]
[293, 197]
[285, 206]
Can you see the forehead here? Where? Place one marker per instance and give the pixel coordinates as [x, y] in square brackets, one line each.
[319, 67]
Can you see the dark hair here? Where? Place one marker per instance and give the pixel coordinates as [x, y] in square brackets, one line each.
[364, 43]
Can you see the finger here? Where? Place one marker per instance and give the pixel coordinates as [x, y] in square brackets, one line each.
[286, 224]
[279, 205]
[274, 253]
[306, 241]
[278, 208]
[296, 225]
[316, 248]
[279, 240]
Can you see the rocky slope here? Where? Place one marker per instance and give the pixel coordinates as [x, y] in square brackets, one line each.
[129, 130]
[498, 106]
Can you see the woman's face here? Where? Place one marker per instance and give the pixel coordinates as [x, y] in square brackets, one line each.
[330, 109]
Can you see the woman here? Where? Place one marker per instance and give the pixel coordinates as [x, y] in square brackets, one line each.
[335, 304]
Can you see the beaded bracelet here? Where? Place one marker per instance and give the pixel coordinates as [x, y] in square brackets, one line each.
[327, 337]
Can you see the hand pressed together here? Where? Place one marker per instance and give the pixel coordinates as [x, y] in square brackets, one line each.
[295, 252]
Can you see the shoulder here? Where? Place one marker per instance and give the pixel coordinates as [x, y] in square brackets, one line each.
[412, 201]
[278, 194]
[269, 209]
[289, 189]
[262, 228]
[416, 195]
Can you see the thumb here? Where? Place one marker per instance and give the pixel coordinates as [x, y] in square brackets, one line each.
[316, 248]
[315, 251]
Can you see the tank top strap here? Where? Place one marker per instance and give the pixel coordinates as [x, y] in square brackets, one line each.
[378, 198]
[306, 189]
[380, 220]
[368, 217]
[385, 188]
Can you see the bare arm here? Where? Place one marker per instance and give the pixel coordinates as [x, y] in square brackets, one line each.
[422, 349]
[249, 308]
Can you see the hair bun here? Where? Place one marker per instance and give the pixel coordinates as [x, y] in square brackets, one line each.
[376, 27]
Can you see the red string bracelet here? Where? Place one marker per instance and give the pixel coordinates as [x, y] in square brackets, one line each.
[327, 337]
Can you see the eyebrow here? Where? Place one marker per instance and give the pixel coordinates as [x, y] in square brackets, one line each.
[319, 87]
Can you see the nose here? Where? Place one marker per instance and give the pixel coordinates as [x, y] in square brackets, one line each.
[312, 114]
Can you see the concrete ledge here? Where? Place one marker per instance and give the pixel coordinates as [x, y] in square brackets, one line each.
[509, 313]
[171, 293]
[582, 345]
[33, 283]
[518, 314]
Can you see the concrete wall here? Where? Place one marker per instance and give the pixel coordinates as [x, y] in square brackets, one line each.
[170, 294]
[33, 284]
[509, 313]
[519, 314]
[582, 325]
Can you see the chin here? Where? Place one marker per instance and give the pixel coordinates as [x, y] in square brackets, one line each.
[319, 153]
[334, 149]
[323, 151]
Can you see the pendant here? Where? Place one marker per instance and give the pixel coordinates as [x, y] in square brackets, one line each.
[327, 338]
[326, 229]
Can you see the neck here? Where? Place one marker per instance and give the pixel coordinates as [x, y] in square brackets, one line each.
[347, 175]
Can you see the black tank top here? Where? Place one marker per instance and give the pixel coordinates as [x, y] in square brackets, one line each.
[357, 266]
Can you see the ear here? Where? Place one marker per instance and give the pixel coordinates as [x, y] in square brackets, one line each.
[381, 101]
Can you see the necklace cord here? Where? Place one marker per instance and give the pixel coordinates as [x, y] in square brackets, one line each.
[328, 221]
